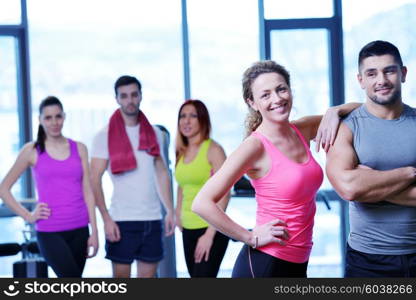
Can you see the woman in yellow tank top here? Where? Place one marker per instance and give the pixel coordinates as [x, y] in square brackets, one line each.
[197, 158]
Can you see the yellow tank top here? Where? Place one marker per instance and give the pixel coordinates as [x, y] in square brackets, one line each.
[191, 177]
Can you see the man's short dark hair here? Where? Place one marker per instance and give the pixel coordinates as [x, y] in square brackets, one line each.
[126, 80]
[378, 48]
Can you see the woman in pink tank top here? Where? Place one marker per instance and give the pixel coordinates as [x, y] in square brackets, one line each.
[65, 201]
[285, 176]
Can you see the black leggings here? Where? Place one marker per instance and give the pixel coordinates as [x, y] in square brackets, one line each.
[65, 251]
[265, 265]
[204, 268]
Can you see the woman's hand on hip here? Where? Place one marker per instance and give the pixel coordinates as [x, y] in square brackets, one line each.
[41, 212]
[274, 231]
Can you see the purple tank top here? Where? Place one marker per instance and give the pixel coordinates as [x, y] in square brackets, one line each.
[59, 184]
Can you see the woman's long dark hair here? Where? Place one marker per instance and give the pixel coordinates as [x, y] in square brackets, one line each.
[40, 140]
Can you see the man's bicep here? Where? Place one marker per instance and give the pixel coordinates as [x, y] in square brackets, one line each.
[341, 156]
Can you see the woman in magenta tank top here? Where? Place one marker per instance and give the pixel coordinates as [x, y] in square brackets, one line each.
[285, 176]
[65, 201]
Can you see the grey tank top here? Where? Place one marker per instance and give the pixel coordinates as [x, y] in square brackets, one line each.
[383, 228]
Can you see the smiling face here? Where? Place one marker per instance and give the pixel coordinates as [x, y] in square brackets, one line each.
[52, 120]
[381, 78]
[188, 121]
[272, 97]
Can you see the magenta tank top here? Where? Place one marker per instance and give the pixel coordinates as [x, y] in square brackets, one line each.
[287, 192]
[59, 184]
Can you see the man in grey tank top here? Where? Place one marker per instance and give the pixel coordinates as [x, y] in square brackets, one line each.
[372, 165]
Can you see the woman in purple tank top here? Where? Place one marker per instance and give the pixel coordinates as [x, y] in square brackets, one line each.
[65, 201]
[276, 157]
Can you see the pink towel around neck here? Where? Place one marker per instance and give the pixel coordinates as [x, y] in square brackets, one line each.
[121, 153]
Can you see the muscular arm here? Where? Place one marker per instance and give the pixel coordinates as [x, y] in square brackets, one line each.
[406, 197]
[358, 184]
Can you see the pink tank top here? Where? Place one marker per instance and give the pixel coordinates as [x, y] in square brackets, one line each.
[59, 184]
[287, 192]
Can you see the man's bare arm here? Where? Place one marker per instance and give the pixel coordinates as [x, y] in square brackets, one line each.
[358, 184]
[406, 197]
[98, 167]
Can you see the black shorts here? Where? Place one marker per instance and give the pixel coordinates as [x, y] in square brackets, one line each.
[140, 240]
[360, 264]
